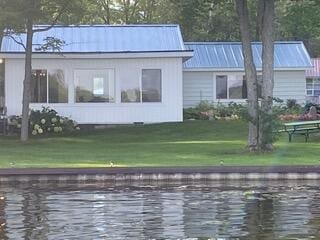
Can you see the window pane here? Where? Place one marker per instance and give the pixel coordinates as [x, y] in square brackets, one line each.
[236, 87]
[316, 92]
[94, 85]
[39, 86]
[151, 85]
[130, 89]
[309, 86]
[309, 80]
[58, 89]
[309, 92]
[221, 87]
[98, 88]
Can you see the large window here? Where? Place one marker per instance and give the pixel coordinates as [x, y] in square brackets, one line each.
[146, 89]
[313, 87]
[233, 86]
[94, 85]
[48, 87]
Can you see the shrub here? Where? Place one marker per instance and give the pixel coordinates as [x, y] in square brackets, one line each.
[207, 111]
[45, 121]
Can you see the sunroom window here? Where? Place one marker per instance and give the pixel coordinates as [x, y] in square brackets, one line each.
[94, 85]
[48, 86]
[146, 89]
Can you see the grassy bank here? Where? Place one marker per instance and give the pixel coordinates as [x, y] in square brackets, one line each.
[194, 143]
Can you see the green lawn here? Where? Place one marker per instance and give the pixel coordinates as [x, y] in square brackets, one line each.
[193, 143]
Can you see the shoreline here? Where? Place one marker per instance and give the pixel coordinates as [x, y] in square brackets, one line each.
[136, 174]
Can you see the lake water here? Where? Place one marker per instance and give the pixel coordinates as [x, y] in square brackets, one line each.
[216, 210]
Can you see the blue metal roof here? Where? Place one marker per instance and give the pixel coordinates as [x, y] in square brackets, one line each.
[224, 55]
[106, 38]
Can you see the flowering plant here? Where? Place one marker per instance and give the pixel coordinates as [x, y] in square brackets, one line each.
[45, 121]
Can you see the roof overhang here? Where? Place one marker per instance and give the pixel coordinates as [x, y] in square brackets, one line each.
[241, 69]
[185, 55]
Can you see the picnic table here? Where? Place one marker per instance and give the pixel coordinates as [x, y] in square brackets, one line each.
[302, 128]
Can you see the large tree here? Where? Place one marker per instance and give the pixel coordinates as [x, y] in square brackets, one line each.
[267, 37]
[260, 118]
[251, 76]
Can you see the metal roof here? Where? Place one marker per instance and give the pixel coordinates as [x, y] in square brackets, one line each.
[224, 55]
[315, 70]
[106, 38]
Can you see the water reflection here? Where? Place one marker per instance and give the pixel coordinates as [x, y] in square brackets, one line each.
[249, 211]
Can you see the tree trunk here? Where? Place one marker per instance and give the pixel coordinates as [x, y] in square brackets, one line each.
[26, 84]
[251, 76]
[267, 76]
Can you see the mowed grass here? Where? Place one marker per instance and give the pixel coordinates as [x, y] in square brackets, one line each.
[192, 143]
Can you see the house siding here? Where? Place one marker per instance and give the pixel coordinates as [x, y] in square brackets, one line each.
[197, 86]
[169, 110]
[200, 86]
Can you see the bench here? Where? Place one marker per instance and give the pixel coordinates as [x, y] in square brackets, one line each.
[301, 128]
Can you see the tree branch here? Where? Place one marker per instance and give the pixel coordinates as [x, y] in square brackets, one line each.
[16, 41]
[55, 20]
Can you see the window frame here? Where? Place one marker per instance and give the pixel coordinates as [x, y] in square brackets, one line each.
[74, 87]
[228, 74]
[140, 88]
[48, 70]
[312, 89]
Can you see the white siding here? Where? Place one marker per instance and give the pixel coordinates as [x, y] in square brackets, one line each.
[200, 85]
[170, 109]
[290, 85]
[197, 86]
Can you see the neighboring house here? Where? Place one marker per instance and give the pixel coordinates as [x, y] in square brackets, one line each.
[103, 74]
[216, 73]
[138, 73]
[313, 81]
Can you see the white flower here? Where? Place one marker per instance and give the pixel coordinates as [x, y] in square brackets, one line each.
[61, 120]
[18, 125]
[53, 120]
[40, 130]
[56, 129]
[77, 128]
[43, 121]
[34, 132]
[36, 127]
[60, 129]
[49, 129]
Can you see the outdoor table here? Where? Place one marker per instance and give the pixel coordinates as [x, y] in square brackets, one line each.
[303, 128]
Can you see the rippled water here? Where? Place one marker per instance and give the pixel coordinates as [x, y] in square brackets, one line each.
[219, 210]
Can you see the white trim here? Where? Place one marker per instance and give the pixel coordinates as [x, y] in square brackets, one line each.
[185, 55]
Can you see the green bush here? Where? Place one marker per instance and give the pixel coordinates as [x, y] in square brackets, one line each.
[207, 111]
[45, 121]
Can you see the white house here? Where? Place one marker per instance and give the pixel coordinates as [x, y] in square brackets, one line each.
[216, 73]
[102, 74]
[137, 73]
